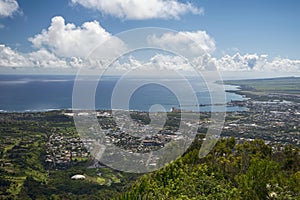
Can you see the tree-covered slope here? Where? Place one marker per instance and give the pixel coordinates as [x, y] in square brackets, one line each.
[252, 170]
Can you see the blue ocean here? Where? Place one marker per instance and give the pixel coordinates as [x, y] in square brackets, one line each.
[31, 93]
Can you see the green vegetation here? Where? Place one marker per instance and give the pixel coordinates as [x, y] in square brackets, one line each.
[231, 171]
[24, 174]
[265, 89]
[234, 169]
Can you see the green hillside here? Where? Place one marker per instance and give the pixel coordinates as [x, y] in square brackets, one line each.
[287, 88]
[235, 169]
[251, 170]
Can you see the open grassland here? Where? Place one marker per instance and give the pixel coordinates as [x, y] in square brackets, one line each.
[287, 88]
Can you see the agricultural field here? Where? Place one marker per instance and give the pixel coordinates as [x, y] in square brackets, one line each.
[25, 170]
[266, 89]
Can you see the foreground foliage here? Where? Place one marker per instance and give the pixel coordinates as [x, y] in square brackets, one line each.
[251, 170]
[232, 170]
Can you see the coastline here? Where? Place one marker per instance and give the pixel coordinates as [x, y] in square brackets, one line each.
[254, 89]
[288, 89]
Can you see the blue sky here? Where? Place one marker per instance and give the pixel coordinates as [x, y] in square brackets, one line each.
[260, 27]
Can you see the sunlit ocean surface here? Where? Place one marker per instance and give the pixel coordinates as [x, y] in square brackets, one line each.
[22, 93]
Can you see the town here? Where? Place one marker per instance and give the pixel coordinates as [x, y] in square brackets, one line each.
[277, 122]
[43, 143]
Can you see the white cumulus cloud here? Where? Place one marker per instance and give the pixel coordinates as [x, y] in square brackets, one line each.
[44, 58]
[282, 64]
[8, 7]
[141, 9]
[11, 58]
[197, 43]
[68, 40]
[65, 45]
[157, 63]
[40, 58]
[246, 62]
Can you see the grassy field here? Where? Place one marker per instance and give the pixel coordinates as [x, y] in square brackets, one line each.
[24, 174]
[288, 87]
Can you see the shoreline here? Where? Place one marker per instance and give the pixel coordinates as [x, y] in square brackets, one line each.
[226, 106]
[207, 106]
[244, 88]
[282, 89]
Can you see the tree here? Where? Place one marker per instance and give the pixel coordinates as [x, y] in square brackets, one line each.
[254, 183]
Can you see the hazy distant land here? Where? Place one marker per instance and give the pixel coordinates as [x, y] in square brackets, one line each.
[286, 88]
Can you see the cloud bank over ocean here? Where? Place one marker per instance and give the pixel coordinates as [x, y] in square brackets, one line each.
[65, 45]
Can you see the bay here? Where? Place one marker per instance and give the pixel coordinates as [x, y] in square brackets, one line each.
[24, 93]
